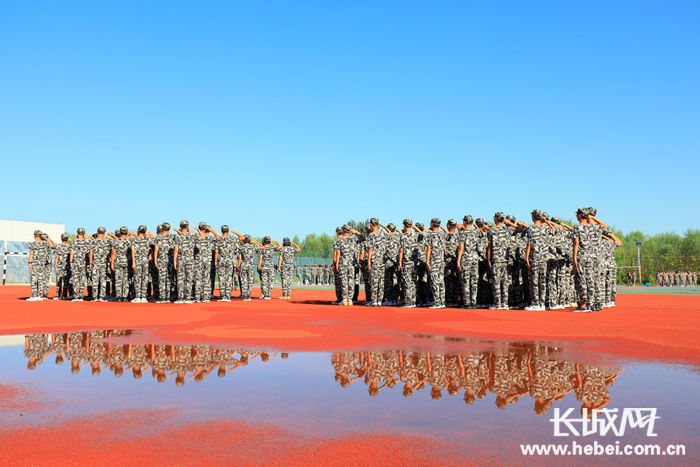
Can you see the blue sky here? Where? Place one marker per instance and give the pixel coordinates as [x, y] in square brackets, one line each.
[285, 118]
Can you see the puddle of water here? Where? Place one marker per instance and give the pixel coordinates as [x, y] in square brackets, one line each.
[487, 401]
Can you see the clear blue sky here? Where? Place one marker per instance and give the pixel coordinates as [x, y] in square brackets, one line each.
[285, 118]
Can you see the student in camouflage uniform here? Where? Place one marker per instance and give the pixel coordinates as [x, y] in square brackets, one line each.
[163, 250]
[483, 293]
[61, 268]
[583, 262]
[498, 251]
[376, 247]
[362, 264]
[206, 246]
[39, 264]
[336, 273]
[246, 265]
[468, 262]
[285, 265]
[345, 261]
[435, 262]
[140, 249]
[119, 263]
[391, 262]
[408, 255]
[266, 266]
[536, 258]
[565, 277]
[101, 252]
[610, 243]
[225, 256]
[80, 249]
[452, 287]
[183, 261]
[423, 291]
[551, 290]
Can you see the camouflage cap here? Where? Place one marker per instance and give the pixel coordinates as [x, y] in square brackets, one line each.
[408, 222]
[184, 223]
[37, 233]
[123, 230]
[267, 239]
[338, 230]
[479, 222]
[468, 219]
[345, 228]
[451, 223]
[166, 226]
[435, 221]
[286, 241]
[545, 215]
[224, 228]
[159, 228]
[101, 229]
[511, 218]
[142, 229]
[246, 238]
[80, 231]
[374, 221]
[202, 226]
[65, 237]
[536, 213]
[499, 216]
[592, 211]
[391, 226]
[420, 225]
[556, 220]
[583, 212]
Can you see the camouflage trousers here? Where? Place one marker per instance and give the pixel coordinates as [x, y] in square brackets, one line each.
[423, 290]
[37, 279]
[286, 277]
[185, 277]
[501, 283]
[346, 272]
[600, 270]
[437, 282]
[225, 270]
[567, 293]
[247, 277]
[267, 275]
[538, 283]
[121, 281]
[610, 276]
[165, 279]
[470, 282]
[62, 281]
[585, 281]
[202, 280]
[452, 287]
[552, 294]
[391, 281]
[484, 289]
[140, 280]
[376, 282]
[517, 282]
[338, 287]
[408, 283]
[78, 279]
[100, 273]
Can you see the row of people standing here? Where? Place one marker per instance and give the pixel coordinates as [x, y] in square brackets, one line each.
[545, 265]
[180, 266]
[677, 279]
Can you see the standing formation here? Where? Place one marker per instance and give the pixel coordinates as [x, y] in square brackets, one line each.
[508, 264]
[677, 279]
[138, 267]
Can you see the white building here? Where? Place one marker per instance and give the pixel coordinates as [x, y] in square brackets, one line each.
[20, 231]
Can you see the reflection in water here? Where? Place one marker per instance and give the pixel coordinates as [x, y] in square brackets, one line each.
[511, 371]
[183, 362]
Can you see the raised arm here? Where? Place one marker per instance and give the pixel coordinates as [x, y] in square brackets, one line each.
[297, 247]
[597, 221]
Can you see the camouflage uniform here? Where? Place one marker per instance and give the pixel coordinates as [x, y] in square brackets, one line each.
[267, 269]
[336, 274]
[101, 250]
[62, 270]
[391, 263]
[248, 253]
[585, 281]
[81, 249]
[228, 250]
[377, 241]
[287, 253]
[186, 244]
[165, 243]
[610, 271]
[552, 292]
[409, 245]
[566, 279]
[596, 232]
[203, 260]
[499, 238]
[347, 263]
[122, 250]
[423, 292]
[451, 273]
[436, 241]
[537, 237]
[483, 285]
[470, 266]
[41, 267]
[141, 247]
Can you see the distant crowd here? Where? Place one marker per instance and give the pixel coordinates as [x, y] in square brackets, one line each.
[677, 279]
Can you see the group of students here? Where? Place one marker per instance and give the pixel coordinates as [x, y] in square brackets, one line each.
[511, 372]
[178, 265]
[505, 265]
[677, 279]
